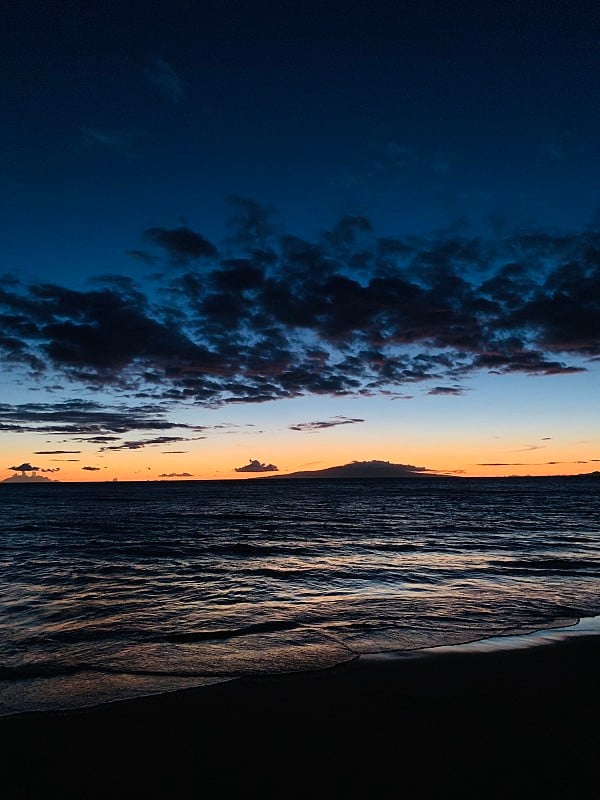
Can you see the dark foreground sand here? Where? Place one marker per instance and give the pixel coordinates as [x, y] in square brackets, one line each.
[520, 723]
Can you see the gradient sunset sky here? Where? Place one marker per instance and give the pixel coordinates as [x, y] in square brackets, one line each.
[246, 236]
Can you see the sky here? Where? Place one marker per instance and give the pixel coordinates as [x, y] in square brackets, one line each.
[241, 238]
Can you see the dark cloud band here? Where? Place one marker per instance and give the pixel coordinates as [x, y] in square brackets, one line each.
[270, 315]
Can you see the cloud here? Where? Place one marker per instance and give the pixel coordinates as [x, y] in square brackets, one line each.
[530, 464]
[142, 257]
[320, 424]
[97, 439]
[182, 245]
[271, 315]
[25, 467]
[80, 417]
[256, 466]
[117, 140]
[138, 444]
[502, 464]
[91, 469]
[55, 452]
[446, 390]
[527, 448]
[175, 475]
[164, 76]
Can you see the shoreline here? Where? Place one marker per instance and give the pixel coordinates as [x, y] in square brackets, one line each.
[442, 717]
[583, 626]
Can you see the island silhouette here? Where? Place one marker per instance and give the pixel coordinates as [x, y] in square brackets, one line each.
[366, 469]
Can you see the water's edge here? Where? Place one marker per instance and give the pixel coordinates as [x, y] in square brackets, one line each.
[585, 627]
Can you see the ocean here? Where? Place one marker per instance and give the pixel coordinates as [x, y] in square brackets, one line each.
[115, 590]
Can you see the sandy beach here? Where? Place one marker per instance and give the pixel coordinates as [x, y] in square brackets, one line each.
[484, 724]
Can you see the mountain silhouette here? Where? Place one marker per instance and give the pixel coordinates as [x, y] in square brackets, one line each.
[366, 469]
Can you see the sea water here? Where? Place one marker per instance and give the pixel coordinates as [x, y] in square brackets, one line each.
[112, 590]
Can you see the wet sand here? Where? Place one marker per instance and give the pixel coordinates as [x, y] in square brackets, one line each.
[505, 723]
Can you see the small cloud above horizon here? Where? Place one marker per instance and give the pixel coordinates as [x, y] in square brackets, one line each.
[318, 425]
[256, 466]
[527, 448]
[56, 452]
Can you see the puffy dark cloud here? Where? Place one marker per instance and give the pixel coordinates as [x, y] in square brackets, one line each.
[271, 315]
[182, 245]
[251, 226]
[256, 466]
[25, 467]
[321, 424]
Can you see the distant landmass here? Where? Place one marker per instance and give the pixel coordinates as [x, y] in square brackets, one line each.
[23, 478]
[366, 469]
[385, 469]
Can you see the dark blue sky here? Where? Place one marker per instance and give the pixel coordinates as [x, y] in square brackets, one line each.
[119, 116]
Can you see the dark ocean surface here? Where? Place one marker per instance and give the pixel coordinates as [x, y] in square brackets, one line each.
[112, 590]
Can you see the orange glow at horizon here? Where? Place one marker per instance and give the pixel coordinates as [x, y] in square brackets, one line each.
[294, 452]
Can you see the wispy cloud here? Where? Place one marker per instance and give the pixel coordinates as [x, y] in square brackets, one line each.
[138, 444]
[528, 464]
[80, 417]
[121, 141]
[322, 424]
[168, 81]
[527, 448]
[55, 452]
